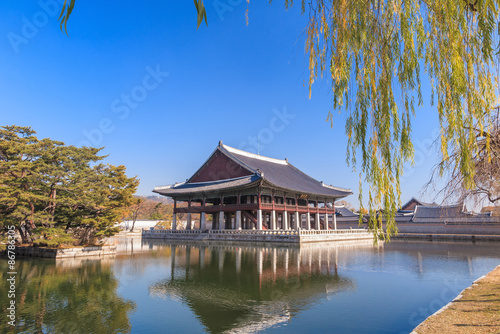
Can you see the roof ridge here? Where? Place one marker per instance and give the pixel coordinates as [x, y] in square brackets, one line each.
[253, 155]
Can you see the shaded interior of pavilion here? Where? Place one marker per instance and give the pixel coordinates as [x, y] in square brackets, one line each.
[246, 212]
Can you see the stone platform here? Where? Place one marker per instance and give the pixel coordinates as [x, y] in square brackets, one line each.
[60, 253]
[287, 236]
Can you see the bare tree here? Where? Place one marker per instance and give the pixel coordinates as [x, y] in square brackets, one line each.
[486, 172]
[135, 211]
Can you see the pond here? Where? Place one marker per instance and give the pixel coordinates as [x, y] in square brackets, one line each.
[160, 286]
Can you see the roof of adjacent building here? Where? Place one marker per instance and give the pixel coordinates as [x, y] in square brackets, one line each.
[342, 211]
[452, 211]
[253, 168]
[417, 202]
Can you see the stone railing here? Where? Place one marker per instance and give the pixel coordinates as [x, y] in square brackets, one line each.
[255, 232]
[260, 235]
[144, 231]
[323, 232]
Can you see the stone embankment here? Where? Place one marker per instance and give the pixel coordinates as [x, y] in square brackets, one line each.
[286, 236]
[61, 253]
[475, 310]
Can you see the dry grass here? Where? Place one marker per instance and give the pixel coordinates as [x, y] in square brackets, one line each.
[478, 311]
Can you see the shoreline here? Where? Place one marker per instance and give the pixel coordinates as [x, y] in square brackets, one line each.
[474, 310]
[445, 237]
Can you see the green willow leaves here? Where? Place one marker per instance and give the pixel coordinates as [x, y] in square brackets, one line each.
[65, 14]
[202, 13]
[373, 52]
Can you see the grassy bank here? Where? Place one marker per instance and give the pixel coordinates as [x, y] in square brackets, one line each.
[477, 310]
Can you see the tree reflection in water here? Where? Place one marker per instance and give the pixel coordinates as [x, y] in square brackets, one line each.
[251, 288]
[67, 296]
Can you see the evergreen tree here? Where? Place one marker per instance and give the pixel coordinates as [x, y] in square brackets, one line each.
[53, 193]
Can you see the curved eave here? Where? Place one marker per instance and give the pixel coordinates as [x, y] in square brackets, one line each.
[189, 189]
[338, 193]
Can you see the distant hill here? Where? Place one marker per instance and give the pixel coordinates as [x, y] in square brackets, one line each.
[159, 199]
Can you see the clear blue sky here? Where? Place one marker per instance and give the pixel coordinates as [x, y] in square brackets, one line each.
[139, 79]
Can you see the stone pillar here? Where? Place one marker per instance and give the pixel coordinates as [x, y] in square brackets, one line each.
[334, 217]
[259, 219]
[308, 221]
[203, 221]
[326, 222]
[174, 221]
[273, 220]
[318, 223]
[189, 225]
[222, 223]
[238, 220]
[297, 220]
[228, 221]
[285, 220]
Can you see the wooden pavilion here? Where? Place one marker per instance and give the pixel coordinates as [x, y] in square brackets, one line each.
[246, 191]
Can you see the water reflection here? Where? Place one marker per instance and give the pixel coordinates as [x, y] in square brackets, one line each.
[67, 296]
[251, 288]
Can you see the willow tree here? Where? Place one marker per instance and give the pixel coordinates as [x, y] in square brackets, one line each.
[486, 161]
[373, 53]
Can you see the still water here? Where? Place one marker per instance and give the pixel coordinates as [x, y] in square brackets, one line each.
[157, 286]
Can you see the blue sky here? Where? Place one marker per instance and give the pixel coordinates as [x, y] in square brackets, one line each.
[140, 80]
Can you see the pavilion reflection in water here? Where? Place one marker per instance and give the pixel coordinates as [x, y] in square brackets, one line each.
[251, 288]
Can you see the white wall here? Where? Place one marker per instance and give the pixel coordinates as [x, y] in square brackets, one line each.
[139, 224]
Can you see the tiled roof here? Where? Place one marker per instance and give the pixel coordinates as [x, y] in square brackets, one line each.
[342, 211]
[273, 172]
[207, 187]
[283, 174]
[452, 211]
[419, 203]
